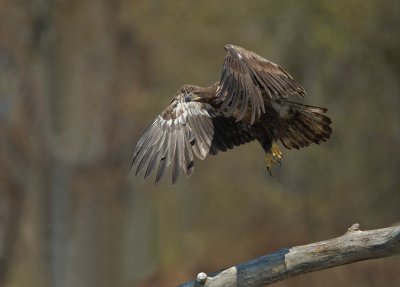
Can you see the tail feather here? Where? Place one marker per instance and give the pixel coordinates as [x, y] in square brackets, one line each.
[302, 125]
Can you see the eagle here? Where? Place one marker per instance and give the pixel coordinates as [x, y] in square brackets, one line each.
[249, 102]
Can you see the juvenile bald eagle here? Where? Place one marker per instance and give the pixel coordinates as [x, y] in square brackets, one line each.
[250, 102]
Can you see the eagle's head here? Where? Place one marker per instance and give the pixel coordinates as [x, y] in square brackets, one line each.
[231, 48]
[189, 93]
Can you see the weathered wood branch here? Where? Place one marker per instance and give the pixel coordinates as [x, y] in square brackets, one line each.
[355, 245]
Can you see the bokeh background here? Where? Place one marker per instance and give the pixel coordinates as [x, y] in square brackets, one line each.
[81, 79]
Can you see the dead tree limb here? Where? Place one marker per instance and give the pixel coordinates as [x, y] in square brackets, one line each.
[355, 245]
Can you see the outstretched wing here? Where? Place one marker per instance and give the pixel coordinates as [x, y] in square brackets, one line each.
[183, 130]
[248, 80]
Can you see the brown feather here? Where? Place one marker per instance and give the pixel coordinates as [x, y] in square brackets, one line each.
[249, 102]
[246, 77]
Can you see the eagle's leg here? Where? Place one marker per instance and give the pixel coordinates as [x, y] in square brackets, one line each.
[274, 156]
[276, 152]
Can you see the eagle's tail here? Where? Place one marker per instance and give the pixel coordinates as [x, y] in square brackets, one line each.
[302, 125]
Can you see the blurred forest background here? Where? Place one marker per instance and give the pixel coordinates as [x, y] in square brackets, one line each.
[81, 79]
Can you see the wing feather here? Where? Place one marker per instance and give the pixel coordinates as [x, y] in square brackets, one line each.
[243, 108]
[161, 170]
[201, 147]
[248, 81]
[182, 130]
[144, 159]
[152, 163]
[189, 160]
[156, 156]
[175, 163]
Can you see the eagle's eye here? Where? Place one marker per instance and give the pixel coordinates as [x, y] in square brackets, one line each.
[188, 98]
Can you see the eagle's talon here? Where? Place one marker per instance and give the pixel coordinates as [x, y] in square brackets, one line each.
[270, 159]
[269, 171]
[276, 152]
[273, 157]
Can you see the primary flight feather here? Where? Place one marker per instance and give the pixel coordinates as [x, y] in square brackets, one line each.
[250, 102]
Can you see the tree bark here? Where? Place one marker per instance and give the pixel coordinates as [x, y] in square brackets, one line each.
[355, 245]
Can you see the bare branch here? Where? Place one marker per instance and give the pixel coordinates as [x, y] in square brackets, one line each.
[355, 245]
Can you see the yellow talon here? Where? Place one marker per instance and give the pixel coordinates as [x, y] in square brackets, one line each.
[273, 157]
[276, 152]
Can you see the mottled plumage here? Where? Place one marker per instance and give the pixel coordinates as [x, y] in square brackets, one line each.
[248, 103]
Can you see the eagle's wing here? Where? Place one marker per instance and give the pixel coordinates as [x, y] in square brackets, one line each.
[184, 129]
[247, 79]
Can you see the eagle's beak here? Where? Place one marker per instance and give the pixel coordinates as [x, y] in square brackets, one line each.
[196, 98]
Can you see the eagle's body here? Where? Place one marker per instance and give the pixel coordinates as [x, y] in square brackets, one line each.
[248, 103]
